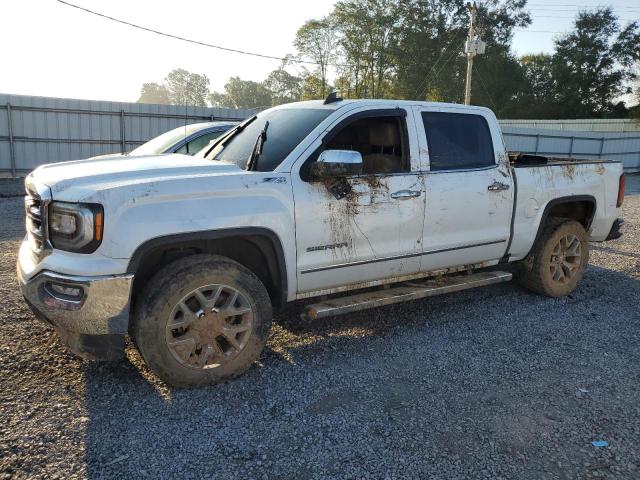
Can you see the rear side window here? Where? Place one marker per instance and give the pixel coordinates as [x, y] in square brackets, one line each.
[457, 141]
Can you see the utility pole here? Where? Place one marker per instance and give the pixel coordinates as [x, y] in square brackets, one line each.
[472, 47]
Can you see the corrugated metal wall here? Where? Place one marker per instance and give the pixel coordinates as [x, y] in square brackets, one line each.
[46, 129]
[580, 125]
[612, 146]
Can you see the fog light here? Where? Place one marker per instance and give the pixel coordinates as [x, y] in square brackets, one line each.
[66, 291]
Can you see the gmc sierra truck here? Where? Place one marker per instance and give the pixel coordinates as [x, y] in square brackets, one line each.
[351, 204]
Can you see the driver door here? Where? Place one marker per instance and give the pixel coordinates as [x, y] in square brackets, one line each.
[374, 231]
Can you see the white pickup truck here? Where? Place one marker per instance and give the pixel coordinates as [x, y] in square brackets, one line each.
[379, 201]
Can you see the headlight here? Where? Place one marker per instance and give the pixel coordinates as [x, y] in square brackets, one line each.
[75, 227]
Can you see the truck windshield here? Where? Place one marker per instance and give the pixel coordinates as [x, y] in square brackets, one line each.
[287, 128]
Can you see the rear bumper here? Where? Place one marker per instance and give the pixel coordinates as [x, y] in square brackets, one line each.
[92, 320]
[616, 229]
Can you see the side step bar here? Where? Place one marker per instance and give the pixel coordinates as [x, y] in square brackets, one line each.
[402, 293]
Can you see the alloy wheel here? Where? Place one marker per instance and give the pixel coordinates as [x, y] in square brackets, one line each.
[209, 326]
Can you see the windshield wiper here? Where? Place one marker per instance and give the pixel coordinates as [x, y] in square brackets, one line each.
[257, 148]
[222, 141]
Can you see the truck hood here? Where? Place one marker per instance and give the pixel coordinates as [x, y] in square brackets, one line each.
[80, 178]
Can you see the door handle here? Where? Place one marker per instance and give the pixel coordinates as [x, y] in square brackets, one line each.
[498, 186]
[405, 194]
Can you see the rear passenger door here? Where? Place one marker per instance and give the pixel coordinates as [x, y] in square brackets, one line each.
[469, 192]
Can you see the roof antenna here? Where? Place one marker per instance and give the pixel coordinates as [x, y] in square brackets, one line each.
[331, 98]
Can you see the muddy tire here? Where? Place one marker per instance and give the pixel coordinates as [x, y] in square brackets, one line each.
[558, 259]
[202, 319]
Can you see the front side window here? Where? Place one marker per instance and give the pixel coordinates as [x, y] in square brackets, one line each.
[457, 141]
[287, 127]
[378, 139]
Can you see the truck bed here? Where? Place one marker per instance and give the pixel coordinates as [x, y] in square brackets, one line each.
[541, 182]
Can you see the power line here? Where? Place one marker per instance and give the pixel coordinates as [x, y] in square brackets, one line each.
[242, 52]
[579, 10]
[587, 9]
[495, 106]
[453, 53]
[188, 40]
[452, 36]
[571, 18]
[525, 30]
[582, 5]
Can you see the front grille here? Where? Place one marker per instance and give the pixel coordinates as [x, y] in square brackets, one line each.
[35, 220]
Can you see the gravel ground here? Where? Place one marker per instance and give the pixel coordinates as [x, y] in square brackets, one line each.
[492, 383]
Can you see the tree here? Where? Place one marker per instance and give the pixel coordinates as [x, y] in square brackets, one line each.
[498, 78]
[433, 37]
[367, 31]
[316, 41]
[537, 98]
[428, 51]
[283, 87]
[312, 87]
[592, 65]
[187, 88]
[179, 87]
[498, 81]
[154, 93]
[414, 48]
[240, 93]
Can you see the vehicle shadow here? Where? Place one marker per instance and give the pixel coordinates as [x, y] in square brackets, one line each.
[434, 353]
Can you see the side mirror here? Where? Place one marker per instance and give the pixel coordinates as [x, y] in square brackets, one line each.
[337, 163]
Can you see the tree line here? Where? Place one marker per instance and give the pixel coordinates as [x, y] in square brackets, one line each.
[413, 49]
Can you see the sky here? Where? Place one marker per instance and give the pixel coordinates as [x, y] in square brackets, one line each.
[51, 49]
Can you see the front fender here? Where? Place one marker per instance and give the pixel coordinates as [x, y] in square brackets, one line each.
[199, 206]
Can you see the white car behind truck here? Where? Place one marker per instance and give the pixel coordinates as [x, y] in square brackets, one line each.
[386, 200]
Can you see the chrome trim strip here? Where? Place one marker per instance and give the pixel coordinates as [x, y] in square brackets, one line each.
[398, 257]
[462, 170]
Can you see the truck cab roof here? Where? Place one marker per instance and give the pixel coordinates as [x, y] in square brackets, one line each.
[379, 102]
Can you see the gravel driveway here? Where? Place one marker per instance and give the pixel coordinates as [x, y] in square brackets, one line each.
[492, 383]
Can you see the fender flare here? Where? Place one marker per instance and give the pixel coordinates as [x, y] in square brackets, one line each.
[559, 201]
[272, 240]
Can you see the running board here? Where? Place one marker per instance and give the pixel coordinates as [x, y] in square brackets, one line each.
[404, 292]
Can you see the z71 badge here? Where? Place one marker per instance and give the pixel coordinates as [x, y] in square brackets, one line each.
[333, 246]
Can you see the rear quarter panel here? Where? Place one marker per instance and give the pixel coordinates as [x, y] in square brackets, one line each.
[539, 185]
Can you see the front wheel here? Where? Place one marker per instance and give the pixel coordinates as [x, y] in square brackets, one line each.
[558, 259]
[201, 320]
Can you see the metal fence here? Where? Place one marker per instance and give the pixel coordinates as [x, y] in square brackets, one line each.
[38, 130]
[619, 125]
[612, 146]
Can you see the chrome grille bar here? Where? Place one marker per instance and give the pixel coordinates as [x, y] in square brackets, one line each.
[33, 211]
[36, 217]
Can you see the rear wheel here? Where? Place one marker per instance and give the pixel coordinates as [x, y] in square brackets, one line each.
[558, 259]
[202, 319]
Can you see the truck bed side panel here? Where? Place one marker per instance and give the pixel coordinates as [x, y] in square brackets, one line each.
[538, 185]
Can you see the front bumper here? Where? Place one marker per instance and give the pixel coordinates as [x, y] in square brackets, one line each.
[93, 321]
